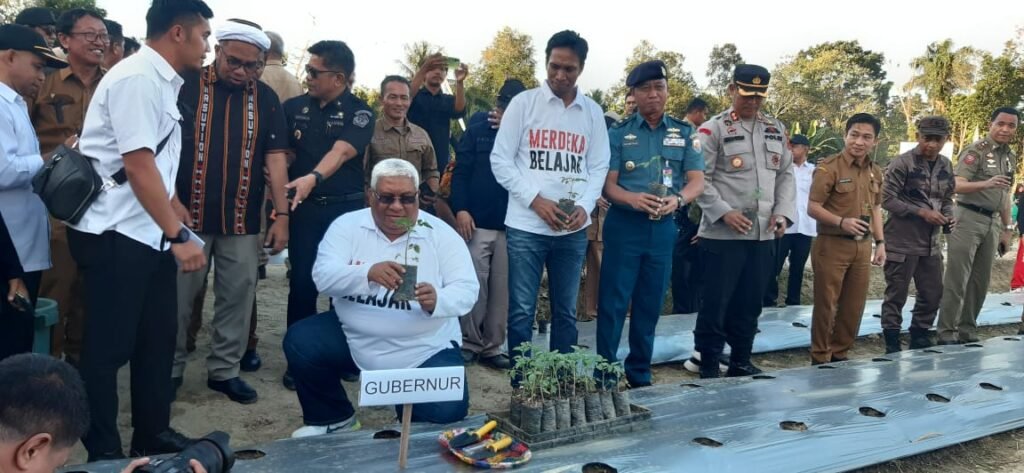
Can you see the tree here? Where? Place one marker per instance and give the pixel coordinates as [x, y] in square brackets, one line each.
[597, 95]
[509, 56]
[371, 95]
[721, 63]
[942, 72]
[681, 86]
[415, 54]
[1000, 84]
[827, 83]
[10, 8]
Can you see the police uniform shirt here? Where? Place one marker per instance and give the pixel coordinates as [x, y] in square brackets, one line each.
[912, 184]
[980, 161]
[407, 142]
[745, 161]
[846, 187]
[314, 130]
[639, 153]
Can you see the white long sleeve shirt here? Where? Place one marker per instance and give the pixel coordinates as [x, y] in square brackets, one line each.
[383, 333]
[804, 224]
[20, 160]
[540, 144]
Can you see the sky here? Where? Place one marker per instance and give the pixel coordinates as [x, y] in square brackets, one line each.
[765, 33]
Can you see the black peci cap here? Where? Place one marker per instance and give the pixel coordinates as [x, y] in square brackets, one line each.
[23, 38]
[646, 71]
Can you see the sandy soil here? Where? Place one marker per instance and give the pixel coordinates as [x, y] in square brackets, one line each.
[199, 410]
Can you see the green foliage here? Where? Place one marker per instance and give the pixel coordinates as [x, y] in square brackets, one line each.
[371, 96]
[571, 182]
[409, 226]
[681, 86]
[721, 63]
[546, 375]
[825, 140]
[415, 54]
[942, 72]
[597, 95]
[509, 56]
[61, 6]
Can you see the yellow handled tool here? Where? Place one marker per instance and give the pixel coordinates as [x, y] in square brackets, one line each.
[489, 449]
[470, 437]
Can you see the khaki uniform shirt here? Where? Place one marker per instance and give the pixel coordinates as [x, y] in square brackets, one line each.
[58, 111]
[284, 84]
[409, 142]
[912, 184]
[746, 164]
[846, 187]
[983, 160]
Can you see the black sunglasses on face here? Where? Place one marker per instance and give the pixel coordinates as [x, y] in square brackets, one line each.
[313, 73]
[388, 199]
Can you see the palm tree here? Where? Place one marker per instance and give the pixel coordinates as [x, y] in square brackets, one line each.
[415, 53]
[942, 72]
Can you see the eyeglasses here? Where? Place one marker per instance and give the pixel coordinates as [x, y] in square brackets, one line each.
[235, 63]
[388, 199]
[313, 72]
[91, 36]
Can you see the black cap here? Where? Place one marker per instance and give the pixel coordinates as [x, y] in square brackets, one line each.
[751, 79]
[646, 71]
[23, 38]
[509, 89]
[36, 16]
[933, 125]
[799, 140]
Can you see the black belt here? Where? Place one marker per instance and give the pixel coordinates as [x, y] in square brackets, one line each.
[324, 199]
[848, 237]
[976, 209]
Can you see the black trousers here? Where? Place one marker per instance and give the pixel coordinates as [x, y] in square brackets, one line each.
[796, 247]
[728, 313]
[17, 328]
[687, 272]
[309, 222]
[131, 316]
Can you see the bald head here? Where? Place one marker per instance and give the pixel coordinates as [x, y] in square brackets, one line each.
[276, 50]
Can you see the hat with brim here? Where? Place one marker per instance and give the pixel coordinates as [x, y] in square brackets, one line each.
[751, 80]
[933, 126]
[23, 38]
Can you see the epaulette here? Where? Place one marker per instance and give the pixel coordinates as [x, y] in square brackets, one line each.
[621, 122]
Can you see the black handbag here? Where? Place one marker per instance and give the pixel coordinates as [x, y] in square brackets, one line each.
[68, 184]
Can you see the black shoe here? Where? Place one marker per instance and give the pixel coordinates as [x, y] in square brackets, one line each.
[542, 326]
[836, 359]
[236, 390]
[498, 362]
[100, 457]
[1020, 331]
[742, 369]
[920, 338]
[892, 340]
[168, 441]
[251, 361]
[350, 377]
[709, 366]
[468, 357]
[287, 381]
[261, 272]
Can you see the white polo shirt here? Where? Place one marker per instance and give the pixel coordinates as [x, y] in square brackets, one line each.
[804, 224]
[20, 160]
[134, 107]
[383, 333]
[541, 145]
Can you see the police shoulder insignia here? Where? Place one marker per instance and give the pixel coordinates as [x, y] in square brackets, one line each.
[971, 158]
[362, 118]
[620, 123]
[696, 143]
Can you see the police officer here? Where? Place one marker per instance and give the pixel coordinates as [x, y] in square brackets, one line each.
[918, 194]
[651, 152]
[748, 203]
[330, 129]
[984, 174]
[845, 201]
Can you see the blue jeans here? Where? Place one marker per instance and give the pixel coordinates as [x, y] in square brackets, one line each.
[318, 355]
[528, 254]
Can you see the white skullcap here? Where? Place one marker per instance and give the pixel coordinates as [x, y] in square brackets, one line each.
[231, 31]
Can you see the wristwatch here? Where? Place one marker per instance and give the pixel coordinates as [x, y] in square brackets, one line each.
[181, 237]
[319, 177]
[680, 201]
[1010, 228]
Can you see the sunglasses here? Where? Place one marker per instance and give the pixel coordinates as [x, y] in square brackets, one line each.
[388, 199]
[313, 73]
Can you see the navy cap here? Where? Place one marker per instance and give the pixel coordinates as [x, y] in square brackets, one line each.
[799, 140]
[36, 16]
[23, 38]
[509, 89]
[646, 71]
[751, 79]
[933, 125]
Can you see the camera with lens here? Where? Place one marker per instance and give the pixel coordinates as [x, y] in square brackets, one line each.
[212, 451]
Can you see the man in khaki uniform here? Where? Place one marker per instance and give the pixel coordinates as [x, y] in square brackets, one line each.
[844, 199]
[284, 83]
[394, 136]
[984, 174]
[918, 194]
[58, 113]
[748, 200]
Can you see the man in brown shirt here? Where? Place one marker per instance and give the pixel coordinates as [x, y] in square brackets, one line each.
[58, 113]
[275, 75]
[394, 136]
[845, 200]
[918, 194]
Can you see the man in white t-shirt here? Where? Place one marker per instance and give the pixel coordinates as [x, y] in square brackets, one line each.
[552, 148]
[796, 243]
[359, 264]
[121, 242]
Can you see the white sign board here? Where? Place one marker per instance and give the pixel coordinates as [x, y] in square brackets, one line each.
[947, 149]
[411, 386]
